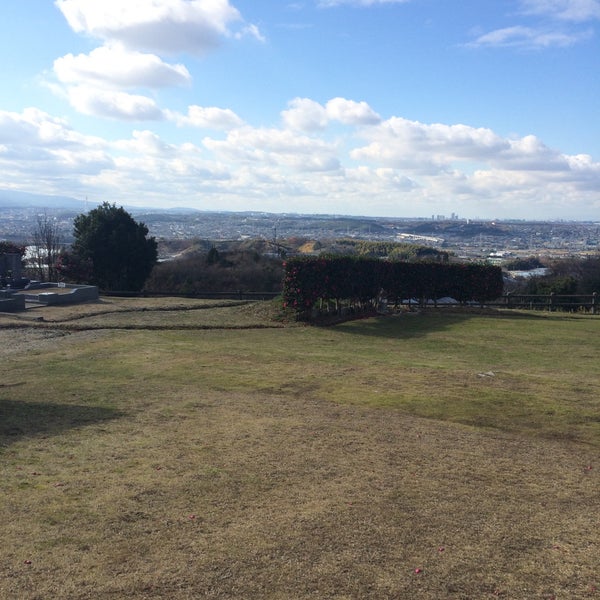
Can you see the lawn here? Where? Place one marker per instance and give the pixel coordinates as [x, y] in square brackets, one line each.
[436, 455]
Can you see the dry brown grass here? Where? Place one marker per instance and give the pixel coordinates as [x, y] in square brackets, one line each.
[129, 479]
[147, 313]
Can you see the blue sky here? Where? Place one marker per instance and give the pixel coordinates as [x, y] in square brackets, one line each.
[486, 109]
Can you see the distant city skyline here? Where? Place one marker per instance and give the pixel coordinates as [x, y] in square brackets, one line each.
[389, 108]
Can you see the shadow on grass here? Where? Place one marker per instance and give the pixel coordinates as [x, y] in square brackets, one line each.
[20, 419]
[403, 326]
[418, 324]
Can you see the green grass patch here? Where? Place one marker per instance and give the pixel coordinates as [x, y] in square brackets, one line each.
[300, 461]
[522, 374]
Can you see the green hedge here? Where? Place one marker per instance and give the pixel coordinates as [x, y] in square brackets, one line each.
[359, 281]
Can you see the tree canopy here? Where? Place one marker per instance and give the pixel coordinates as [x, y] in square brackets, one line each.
[11, 248]
[46, 244]
[117, 249]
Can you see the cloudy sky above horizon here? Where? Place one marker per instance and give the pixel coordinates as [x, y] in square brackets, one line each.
[360, 107]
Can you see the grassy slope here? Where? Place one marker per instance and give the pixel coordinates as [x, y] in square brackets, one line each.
[295, 463]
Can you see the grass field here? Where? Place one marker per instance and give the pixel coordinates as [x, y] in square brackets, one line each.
[182, 449]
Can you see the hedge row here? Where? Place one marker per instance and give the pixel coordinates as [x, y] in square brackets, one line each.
[310, 280]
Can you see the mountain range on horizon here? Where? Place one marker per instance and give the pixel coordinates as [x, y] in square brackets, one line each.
[17, 199]
[13, 199]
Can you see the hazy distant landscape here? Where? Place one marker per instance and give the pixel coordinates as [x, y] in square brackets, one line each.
[471, 238]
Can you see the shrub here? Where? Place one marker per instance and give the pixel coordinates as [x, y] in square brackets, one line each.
[359, 281]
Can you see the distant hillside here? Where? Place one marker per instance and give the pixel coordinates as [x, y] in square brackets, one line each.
[13, 199]
[457, 228]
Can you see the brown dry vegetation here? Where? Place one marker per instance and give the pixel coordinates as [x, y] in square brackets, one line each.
[259, 464]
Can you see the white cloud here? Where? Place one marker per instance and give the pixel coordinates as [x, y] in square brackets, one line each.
[383, 178]
[528, 37]
[116, 66]
[464, 166]
[159, 26]
[566, 10]
[41, 152]
[135, 34]
[394, 167]
[555, 23]
[206, 117]
[145, 143]
[305, 114]
[111, 104]
[34, 127]
[433, 149]
[250, 31]
[530, 154]
[275, 147]
[424, 148]
[350, 112]
[330, 3]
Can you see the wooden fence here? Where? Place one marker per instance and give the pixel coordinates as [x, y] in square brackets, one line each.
[551, 302]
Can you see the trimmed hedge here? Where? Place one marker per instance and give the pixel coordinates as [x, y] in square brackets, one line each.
[359, 281]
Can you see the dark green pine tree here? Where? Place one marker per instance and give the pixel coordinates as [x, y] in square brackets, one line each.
[118, 248]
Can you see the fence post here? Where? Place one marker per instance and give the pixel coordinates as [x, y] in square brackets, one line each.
[594, 302]
[551, 301]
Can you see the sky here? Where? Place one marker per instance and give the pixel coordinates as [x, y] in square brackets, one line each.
[393, 108]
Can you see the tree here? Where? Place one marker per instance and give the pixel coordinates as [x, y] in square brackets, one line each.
[11, 248]
[590, 275]
[71, 268]
[46, 246]
[119, 249]
[7, 263]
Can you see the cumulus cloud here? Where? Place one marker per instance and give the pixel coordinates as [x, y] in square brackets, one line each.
[93, 82]
[350, 112]
[305, 114]
[275, 147]
[433, 149]
[206, 117]
[111, 104]
[116, 66]
[159, 26]
[35, 146]
[135, 34]
[34, 127]
[145, 143]
[427, 148]
[394, 166]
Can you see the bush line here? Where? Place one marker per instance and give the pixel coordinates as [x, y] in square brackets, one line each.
[359, 282]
